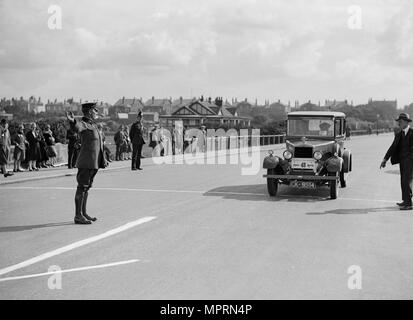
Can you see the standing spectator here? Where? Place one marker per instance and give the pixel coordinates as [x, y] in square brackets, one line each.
[119, 142]
[20, 145]
[137, 140]
[128, 144]
[50, 145]
[44, 158]
[90, 159]
[73, 147]
[5, 143]
[34, 147]
[106, 151]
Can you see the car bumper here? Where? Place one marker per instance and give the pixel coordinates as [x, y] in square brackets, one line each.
[301, 178]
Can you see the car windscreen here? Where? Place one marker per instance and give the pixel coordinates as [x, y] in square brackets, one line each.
[311, 126]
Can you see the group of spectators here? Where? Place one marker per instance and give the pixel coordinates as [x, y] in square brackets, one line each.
[34, 147]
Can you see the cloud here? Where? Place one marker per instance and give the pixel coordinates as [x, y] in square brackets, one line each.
[267, 48]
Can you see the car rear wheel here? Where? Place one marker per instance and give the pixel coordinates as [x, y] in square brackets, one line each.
[272, 184]
[333, 187]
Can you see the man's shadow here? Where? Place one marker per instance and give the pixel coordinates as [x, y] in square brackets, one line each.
[354, 211]
[33, 227]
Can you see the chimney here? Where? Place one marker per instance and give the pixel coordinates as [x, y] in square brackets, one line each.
[180, 99]
[153, 99]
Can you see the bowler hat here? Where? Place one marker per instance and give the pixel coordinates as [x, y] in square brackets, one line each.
[404, 116]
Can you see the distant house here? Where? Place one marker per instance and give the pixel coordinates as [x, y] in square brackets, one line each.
[199, 112]
[69, 105]
[7, 116]
[334, 104]
[35, 105]
[125, 105]
[103, 108]
[178, 103]
[244, 107]
[279, 107]
[310, 107]
[161, 106]
[392, 104]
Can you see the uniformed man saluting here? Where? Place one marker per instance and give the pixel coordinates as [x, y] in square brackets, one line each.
[90, 158]
[401, 151]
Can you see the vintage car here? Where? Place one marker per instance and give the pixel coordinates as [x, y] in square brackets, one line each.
[315, 155]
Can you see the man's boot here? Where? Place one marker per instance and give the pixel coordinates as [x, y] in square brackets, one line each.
[84, 205]
[79, 218]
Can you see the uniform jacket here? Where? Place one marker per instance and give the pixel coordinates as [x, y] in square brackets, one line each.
[135, 134]
[393, 152]
[91, 150]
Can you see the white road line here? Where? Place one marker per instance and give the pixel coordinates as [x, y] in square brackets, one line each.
[193, 191]
[75, 245]
[107, 265]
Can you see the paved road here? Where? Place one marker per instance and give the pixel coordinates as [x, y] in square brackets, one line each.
[214, 234]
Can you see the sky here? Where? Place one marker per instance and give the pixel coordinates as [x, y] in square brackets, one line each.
[256, 49]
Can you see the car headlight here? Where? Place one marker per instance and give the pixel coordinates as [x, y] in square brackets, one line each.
[287, 155]
[317, 155]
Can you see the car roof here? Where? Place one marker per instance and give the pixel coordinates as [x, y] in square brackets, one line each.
[317, 113]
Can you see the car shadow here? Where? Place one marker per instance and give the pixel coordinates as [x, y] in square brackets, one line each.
[354, 211]
[259, 192]
[33, 227]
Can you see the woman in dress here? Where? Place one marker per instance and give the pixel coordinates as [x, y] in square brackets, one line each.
[50, 145]
[33, 153]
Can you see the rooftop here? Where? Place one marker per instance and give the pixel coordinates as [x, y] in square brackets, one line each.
[317, 113]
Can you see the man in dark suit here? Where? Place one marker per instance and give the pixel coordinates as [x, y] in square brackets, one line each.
[90, 158]
[136, 137]
[401, 152]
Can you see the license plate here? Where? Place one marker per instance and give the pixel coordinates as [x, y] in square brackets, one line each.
[303, 184]
[303, 164]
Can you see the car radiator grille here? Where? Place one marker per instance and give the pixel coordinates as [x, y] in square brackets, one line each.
[303, 152]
